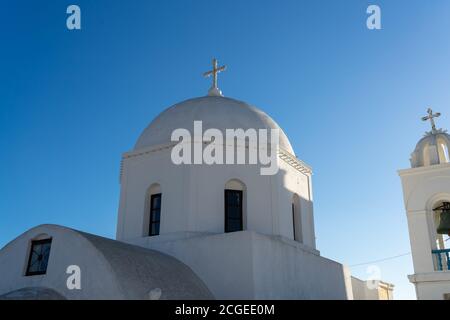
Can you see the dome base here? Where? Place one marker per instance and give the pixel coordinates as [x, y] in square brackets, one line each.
[215, 92]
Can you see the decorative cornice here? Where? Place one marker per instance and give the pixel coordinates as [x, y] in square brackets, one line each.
[436, 276]
[284, 155]
[424, 169]
[294, 161]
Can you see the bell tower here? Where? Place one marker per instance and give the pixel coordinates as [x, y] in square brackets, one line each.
[426, 193]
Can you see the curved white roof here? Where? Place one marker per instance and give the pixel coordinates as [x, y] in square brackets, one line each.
[432, 149]
[33, 293]
[215, 112]
[109, 269]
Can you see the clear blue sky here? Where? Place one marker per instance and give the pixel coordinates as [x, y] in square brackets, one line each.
[350, 100]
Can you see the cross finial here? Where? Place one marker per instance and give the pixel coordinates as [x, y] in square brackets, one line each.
[431, 117]
[214, 90]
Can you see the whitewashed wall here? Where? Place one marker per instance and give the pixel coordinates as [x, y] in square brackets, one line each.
[193, 197]
[249, 265]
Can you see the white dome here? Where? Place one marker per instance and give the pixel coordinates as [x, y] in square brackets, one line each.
[215, 112]
[432, 149]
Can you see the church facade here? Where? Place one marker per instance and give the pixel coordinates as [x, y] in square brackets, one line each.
[191, 231]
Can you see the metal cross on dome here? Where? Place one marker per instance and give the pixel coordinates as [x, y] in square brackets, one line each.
[431, 117]
[214, 90]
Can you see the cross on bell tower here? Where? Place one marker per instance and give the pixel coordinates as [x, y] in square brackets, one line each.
[214, 90]
[431, 117]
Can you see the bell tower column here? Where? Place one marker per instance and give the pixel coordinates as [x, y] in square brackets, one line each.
[420, 240]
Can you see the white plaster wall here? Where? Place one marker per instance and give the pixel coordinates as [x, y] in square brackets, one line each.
[284, 270]
[432, 291]
[420, 184]
[193, 197]
[248, 265]
[431, 286]
[420, 240]
[361, 290]
[294, 182]
[139, 173]
[221, 261]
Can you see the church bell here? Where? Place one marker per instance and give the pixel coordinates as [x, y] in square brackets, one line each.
[444, 223]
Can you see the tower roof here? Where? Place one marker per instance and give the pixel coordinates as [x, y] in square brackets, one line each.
[433, 148]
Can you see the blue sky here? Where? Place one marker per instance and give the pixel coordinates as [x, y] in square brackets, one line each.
[349, 99]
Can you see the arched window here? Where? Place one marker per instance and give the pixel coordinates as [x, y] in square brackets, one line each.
[234, 206]
[426, 156]
[153, 210]
[296, 219]
[443, 152]
[442, 222]
[441, 215]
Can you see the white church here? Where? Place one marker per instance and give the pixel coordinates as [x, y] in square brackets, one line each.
[217, 231]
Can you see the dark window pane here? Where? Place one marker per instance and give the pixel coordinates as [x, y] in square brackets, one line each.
[234, 213]
[293, 222]
[237, 199]
[46, 249]
[155, 228]
[233, 210]
[230, 199]
[234, 225]
[156, 202]
[39, 255]
[155, 214]
[234, 199]
[34, 262]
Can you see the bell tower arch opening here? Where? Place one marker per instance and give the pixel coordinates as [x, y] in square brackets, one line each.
[443, 151]
[441, 233]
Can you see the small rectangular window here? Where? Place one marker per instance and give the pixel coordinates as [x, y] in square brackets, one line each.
[293, 223]
[233, 211]
[38, 259]
[155, 214]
